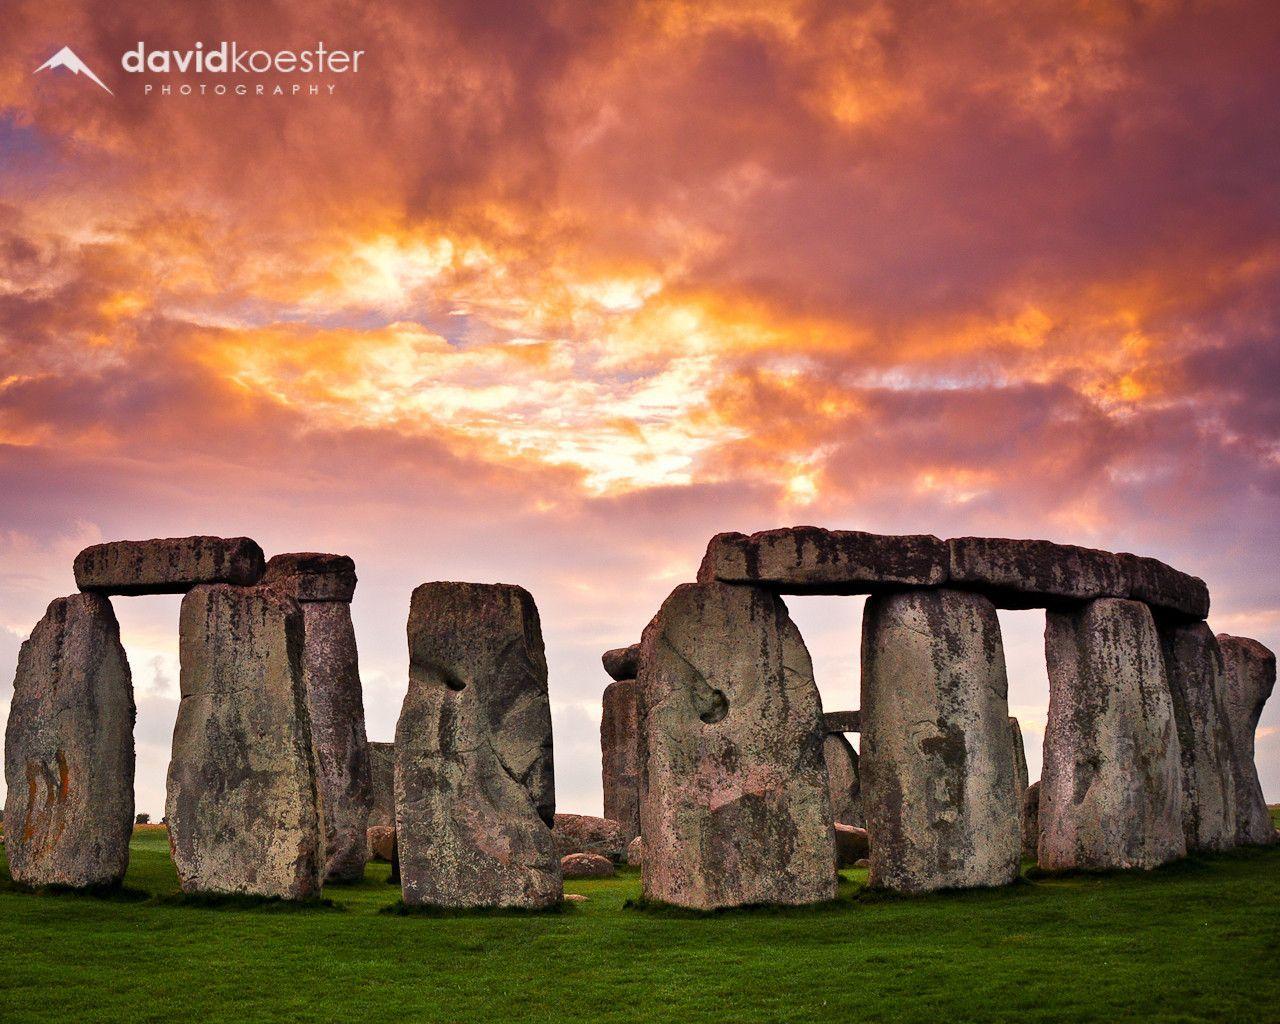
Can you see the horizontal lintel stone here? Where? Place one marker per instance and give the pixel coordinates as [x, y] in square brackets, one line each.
[842, 721]
[622, 662]
[171, 565]
[311, 576]
[810, 560]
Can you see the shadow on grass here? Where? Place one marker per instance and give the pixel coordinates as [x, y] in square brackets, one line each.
[656, 908]
[105, 893]
[244, 901]
[401, 909]
[1191, 865]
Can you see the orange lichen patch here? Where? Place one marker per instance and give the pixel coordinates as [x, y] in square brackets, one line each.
[28, 824]
[64, 777]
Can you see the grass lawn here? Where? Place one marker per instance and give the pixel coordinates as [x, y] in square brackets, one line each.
[1196, 941]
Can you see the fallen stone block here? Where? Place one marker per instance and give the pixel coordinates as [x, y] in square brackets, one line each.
[170, 566]
[734, 805]
[311, 576]
[852, 844]
[243, 807]
[1111, 790]
[68, 811]
[335, 703]
[587, 865]
[937, 760]
[475, 790]
[810, 560]
[1198, 685]
[381, 843]
[585, 833]
[635, 852]
[1250, 676]
[620, 755]
[622, 662]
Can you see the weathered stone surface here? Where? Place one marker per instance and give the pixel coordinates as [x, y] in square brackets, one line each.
[1166, 589]
[620, 754]
[842, 779]
[170, 566]
[243, 808]
[1197, 683]
[1250, 676]
[1110, 792]
[852, 844]
[1031, 820]
[1021, 777]
[382, 784]
[381, 843]
[331, 675]
[622, 662]
[1034, 573]
[586, 865]
[810, 560]
[311, 576]
[733, 800]
[937, 761]
[635, 852]
[842, 721]
[475, 790]
[585, 833]
[69, 750]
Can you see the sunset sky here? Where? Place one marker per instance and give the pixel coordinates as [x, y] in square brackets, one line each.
[549, 296]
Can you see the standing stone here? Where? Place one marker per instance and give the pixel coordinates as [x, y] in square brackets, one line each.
[1021, 777]
[69, 750]
[733, 795]
[1251, 676]
[1197, 683]
[335, 703]
[1031, 820]
[842, 779]
[937, 764]
[475, 791]
[382, 784]
[244, 810]
[172, 565]
[1110, 791]
[620, 755]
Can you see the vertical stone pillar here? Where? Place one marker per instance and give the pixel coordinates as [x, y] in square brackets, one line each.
[382, 784]
[1021, 777]
[1110, 792]
[1251, 676]
[243, 806]
[324, 585]
[733, 794]
[938, 766]
[474, 775]
[842, 779]
[69, 750]
[620, 755]
[1197, 684]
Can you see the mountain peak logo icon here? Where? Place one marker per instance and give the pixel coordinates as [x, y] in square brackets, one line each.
[66, 58]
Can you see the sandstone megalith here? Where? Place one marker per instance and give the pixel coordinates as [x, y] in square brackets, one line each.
[842, 779]
[842, 721]
[69, 750]
[1021, 777]
[587, 865]
[937, 765]
[312, 576]
[620, 754]
[1110, 791]
[622, 662]
[585, 833]
[382, 784]
[810, 560]
[733, 802]
[1198, 686]
[243, 806]
[1250, 677]
[335, 703]
[474, 779]
[1031, 820]
[171, 565]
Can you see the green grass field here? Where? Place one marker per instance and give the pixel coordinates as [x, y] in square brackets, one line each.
[1196, 941]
